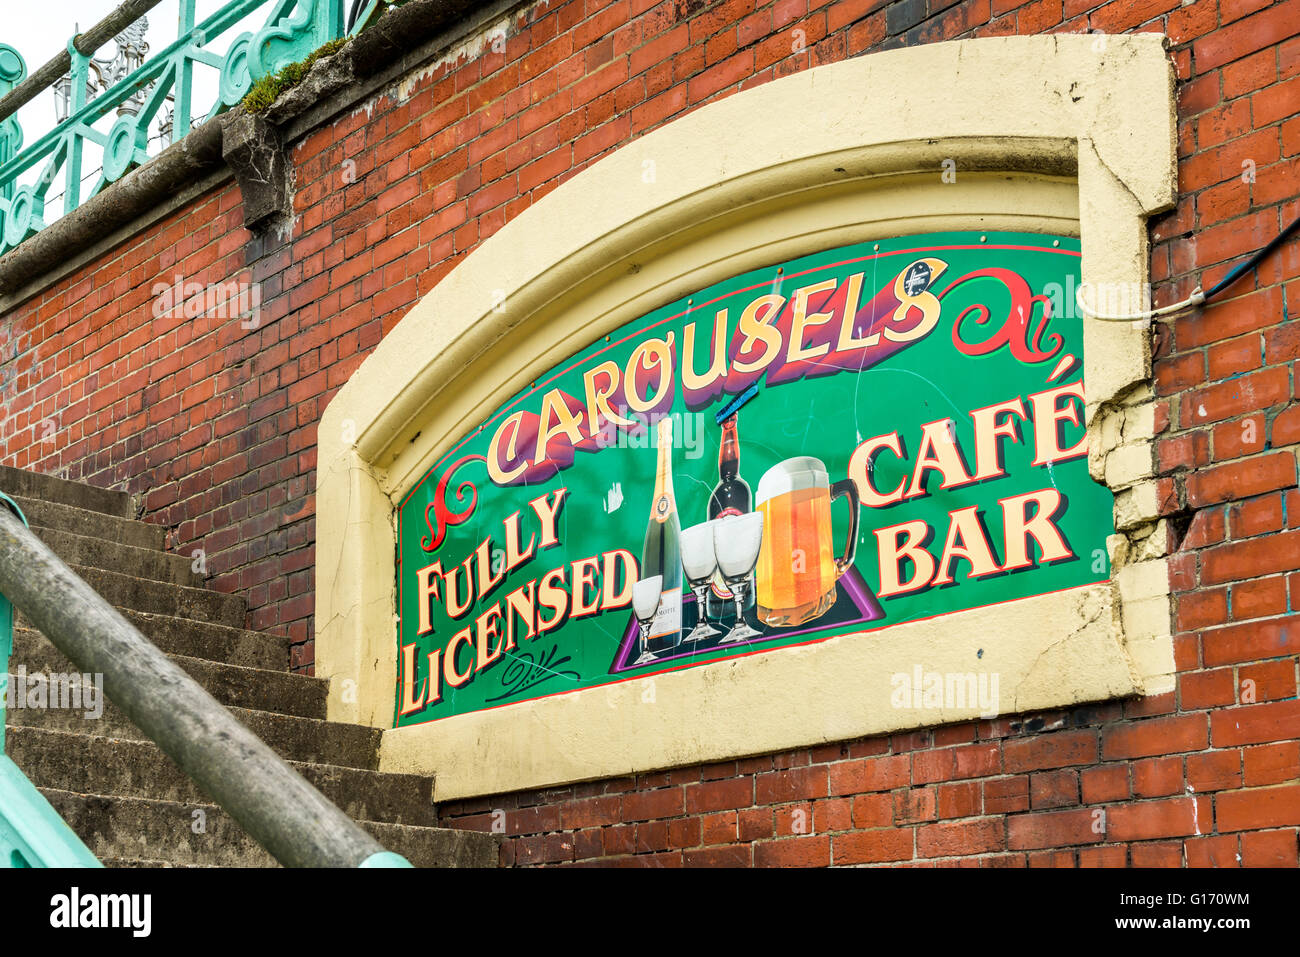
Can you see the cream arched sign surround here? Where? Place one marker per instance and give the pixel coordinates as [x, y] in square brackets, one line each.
[1071, 135]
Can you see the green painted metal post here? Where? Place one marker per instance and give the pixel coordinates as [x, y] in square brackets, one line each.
[80, 79]
[6, 634]
[184, 77]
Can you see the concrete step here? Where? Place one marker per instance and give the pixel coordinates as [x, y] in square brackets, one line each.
[139, 594]
[438, 846]
[120, 828]
[140, 863]
[92, 524]
[253, 688]
[148, 563]
[50, 488]
[198, 639]
[91, 764]
[294, 738]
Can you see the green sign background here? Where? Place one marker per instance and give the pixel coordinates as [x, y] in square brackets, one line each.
[609, 492]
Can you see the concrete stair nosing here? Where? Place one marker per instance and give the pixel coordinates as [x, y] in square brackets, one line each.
[308, 740]
[139, 863]
[198, 639]
[139, 828]
[80, 521]
[141, 594]
[93, 552]
[92, 764]
[20, 482]
[282, 692]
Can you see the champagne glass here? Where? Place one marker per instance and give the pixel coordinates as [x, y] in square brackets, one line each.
[646, 595]
[699, 562]
[737, 540]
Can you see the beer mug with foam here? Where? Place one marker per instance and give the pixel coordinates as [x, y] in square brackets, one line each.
[797, 570]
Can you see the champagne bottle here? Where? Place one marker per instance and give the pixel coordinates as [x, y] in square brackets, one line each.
[731, 496]
[661, 554]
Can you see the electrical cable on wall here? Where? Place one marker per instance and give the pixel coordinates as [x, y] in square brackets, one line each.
[1198, 297]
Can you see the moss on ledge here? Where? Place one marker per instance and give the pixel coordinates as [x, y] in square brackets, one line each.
[267, 90]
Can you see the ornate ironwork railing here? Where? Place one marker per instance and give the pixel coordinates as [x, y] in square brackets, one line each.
[291, 30]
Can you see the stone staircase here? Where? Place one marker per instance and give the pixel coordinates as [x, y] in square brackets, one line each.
[126, 799]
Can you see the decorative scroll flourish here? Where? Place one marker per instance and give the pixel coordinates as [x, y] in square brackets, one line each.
[118, 120]
[12, 72]
[1025, 342]
[526, 670]
[443, 515]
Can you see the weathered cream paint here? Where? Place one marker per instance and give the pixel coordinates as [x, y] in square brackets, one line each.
[1054, 134]
[833, 691]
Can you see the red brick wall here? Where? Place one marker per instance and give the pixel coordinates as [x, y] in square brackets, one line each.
[1110, 785]
[215, 423]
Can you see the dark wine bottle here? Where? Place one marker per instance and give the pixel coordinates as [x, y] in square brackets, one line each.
[661, 554]
[731, 496]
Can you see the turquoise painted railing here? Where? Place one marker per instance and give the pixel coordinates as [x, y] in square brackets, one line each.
[292, 30]
[31, 832]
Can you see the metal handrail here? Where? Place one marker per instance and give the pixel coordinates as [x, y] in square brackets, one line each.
[279, 808]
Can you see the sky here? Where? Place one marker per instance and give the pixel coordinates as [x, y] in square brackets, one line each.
[39, 29]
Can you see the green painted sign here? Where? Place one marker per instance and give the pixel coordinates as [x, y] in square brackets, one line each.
[874, 434]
